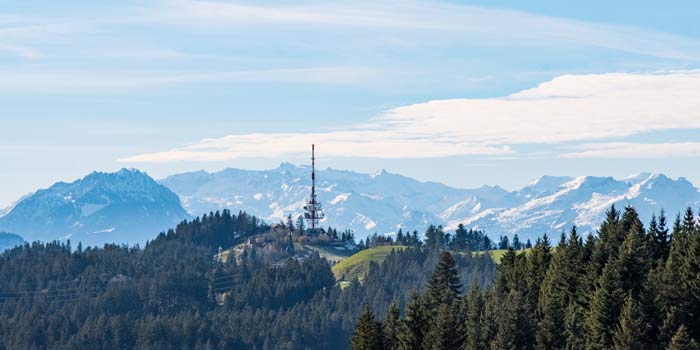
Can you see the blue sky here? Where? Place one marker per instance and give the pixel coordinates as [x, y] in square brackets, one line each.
[462, 92]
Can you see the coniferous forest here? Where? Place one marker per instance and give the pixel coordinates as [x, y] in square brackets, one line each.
[630, 286]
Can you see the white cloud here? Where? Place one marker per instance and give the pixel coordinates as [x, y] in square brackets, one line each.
[617, 150]
[566, 109]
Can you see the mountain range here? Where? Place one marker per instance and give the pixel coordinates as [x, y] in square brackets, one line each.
[130, 207]
[384, 202]
[123, 207]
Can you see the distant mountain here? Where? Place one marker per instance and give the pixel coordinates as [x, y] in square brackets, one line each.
[555, 204]
[123, 207]
[130, 207]
[384, 202]
[9, 240]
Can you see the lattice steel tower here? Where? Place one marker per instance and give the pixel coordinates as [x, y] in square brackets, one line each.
[314, 210]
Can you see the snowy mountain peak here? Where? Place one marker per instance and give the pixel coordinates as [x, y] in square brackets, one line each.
[382, 202]
[122, 207]
[128, 203]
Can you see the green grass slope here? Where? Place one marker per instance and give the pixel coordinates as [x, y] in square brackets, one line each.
[357, 264]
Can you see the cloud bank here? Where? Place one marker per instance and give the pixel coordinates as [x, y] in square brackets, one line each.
[571, 108]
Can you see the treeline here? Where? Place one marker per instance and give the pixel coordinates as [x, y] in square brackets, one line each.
[630, 287]
[173, 294]
[462, 240]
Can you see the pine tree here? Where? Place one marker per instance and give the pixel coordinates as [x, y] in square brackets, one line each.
[503, 243]
[414, 325]
[512, 273]
[475, 314]
[690, 278]
[688, 225]
[517, 245]
[628, 334]
[610, 239]
[444, 286]
[460, 241]
[574, 327]
[537, 266]
[559, 288]
[300, 224]
[682, 341]
[633, 262]
[444, 331]
[368, 332]
[513, 324]
[663, 242]
[290, 223]
[679, 303]
[604, 310]
[392, 328]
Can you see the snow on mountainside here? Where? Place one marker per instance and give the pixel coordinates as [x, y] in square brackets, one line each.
[123, 207]
[130, 207]
[583, 201]
[381, 202]
[384, 202]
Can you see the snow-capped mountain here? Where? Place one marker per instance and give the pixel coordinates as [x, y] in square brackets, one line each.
[123, 207]
[384, 202]
[553, 204]
[130, 207]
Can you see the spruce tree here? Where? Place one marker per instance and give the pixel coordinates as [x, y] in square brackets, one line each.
[560, 287]
[690, 278]
[674, 288]
[663, 242]
[633, 262]
[604, 310]
[628, 334]
[368, 332]
[444, 286]
[474, 319]
[682, 340]
[537, 266]
[392, 328]
[444, 331]
[414, 325]
[610, 238]
[513, 324]
[574, 327]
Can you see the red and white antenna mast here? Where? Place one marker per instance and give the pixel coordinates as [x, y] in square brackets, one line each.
[314, 211]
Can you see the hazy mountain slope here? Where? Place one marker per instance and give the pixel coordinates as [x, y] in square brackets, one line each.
[123, 207]
[9, 240]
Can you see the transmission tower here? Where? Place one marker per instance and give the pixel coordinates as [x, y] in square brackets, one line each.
[314, 211]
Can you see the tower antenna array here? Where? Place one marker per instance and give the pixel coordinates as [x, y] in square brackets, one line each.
[314, 211]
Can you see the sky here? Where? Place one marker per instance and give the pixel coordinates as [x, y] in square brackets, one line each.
[461, 92]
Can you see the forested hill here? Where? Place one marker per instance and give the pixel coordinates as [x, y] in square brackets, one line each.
[172, 294]
[629, 288]
[633, 286]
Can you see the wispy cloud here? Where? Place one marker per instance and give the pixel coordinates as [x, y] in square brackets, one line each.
[470, 25]
[39, 81]
[629, 150]
[566, 109]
